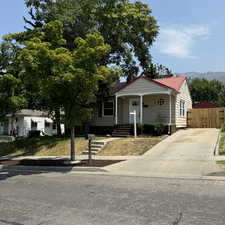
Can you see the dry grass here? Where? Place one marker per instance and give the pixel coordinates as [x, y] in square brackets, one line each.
[222, 144]
[129, 146]
[42, 146]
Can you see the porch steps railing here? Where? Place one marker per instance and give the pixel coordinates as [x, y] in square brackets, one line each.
[122, 130]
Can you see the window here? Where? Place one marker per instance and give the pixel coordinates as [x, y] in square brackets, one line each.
[33, 125]
[135, 103]
[182, 108]
[47, 124]
[54, 126]
[160, 101]
[108, 108]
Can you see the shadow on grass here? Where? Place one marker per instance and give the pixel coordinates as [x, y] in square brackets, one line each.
[28, 146]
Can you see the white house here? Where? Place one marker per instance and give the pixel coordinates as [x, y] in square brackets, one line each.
[163, 100]
[27, 120]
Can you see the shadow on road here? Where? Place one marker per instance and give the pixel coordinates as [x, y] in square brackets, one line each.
[8, 172]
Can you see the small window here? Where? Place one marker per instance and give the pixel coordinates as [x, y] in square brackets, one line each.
[160, 101]
[135, 103]
[182, 108]
[47, 124]
[108, 109]
[33, 125]
[54, 126]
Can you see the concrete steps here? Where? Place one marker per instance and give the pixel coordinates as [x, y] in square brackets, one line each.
[96, 147]
[122, 131]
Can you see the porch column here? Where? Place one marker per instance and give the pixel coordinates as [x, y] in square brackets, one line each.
[141, 109]
[170, 120]
[170, 96]
[116, 111]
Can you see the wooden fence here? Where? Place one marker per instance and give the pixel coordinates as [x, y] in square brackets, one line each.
[206, 118]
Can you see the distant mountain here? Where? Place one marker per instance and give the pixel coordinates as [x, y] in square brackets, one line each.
[208, 75]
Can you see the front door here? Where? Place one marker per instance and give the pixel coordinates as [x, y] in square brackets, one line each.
[134, 105]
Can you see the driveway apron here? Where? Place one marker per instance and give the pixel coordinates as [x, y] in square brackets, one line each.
[187, 153]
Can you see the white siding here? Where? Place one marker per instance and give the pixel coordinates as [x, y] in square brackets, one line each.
[155, 113]
[152, 113]
[181, 121]
[142, 86]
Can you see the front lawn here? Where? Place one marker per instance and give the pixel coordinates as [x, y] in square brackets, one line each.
[5, 138]
[222, 144]
[42, 146]
[129, 146]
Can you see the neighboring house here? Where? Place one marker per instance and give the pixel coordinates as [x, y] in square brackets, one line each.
[204, 105]
[163, 100]
[27, 120]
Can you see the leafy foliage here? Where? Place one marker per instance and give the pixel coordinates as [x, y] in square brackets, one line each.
[10, 101]
[61, 77]
[158, 71]
[129, 28]
[203, 90]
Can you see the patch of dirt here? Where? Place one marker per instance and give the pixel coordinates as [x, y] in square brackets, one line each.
[57, 163]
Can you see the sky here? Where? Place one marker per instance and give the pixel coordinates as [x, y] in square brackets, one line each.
[191, 32]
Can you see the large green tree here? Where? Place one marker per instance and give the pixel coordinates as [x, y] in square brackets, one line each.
[128, 27]
[11, 89]
[11, 97]
[69, 79]
[203, 90]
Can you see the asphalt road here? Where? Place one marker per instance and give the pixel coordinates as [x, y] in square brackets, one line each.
[82, 199]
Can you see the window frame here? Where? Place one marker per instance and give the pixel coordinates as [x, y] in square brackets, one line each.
[182, 108]
[103, 108]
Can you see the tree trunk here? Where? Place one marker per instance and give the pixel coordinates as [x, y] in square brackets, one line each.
[89, 153]
[58, 122]
[73, 145]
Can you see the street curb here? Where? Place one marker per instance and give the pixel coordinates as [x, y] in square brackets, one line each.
[216, 149]
[100, 171]
[62, 169]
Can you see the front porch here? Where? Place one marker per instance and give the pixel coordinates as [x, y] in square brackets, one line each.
[150, 108]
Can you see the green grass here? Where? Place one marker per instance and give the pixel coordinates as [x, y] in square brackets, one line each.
[222, 144]
[129, 146]
[41, 146]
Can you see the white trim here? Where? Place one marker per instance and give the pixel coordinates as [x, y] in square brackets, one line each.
[103, 107]
[116, 110]
[182, 108]
[137, 113]
[170, 102]
[143, 94]
[141, 109]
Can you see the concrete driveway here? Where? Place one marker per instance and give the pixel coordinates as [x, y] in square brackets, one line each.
[187, 153]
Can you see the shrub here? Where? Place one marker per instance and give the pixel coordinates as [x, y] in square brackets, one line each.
[159, 129]
[149, 129]
[139, 129]
[223, 128]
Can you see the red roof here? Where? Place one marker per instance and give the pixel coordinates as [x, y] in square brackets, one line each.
[118, 86]
[204, 105]
[171, 82]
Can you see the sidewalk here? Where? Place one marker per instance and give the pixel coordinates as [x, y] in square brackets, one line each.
[79, 157]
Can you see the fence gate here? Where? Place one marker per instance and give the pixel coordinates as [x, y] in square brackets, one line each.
[206, 118]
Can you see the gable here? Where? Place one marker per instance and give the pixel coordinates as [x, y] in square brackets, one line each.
[142, 86]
